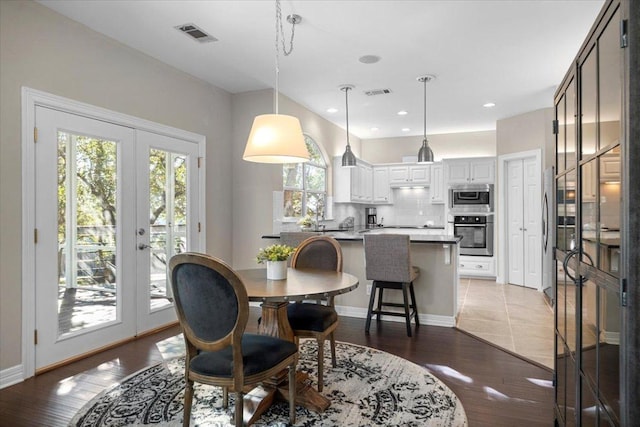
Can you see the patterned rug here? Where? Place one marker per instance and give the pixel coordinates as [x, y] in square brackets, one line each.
[367, 388]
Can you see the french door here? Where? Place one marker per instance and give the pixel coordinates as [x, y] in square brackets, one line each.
[112, 205]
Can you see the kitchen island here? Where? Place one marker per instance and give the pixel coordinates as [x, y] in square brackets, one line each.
[435, 253]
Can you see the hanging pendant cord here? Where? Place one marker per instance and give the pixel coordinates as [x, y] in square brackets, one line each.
[280, 33]
[425, 108]
[346, 102]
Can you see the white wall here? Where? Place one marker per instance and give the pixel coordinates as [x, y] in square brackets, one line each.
[444, 146]
[46, 51]
[528, 131]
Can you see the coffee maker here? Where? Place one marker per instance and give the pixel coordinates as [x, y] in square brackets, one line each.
[371, 217]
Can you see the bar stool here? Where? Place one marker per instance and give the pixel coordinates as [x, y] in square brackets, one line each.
[388, 264]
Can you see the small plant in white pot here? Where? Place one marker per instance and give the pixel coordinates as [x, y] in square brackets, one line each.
[275, 256]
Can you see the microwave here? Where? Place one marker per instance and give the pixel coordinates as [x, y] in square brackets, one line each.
[471, 198]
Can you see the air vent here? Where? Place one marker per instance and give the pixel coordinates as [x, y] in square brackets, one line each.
[196, 33]
[377, 92]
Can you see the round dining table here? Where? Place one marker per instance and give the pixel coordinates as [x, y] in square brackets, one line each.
[275, 296]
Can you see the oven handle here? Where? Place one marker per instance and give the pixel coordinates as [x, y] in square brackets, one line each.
[469, 225]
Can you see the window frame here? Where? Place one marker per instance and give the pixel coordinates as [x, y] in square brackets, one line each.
[309, 141]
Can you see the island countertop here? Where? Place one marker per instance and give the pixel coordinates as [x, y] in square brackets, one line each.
[416, 235]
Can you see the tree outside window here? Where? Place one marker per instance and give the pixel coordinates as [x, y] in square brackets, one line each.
[305, 185]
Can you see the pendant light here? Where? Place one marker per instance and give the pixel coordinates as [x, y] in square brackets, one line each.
[348, 158]
[277, 138]
[425, 154]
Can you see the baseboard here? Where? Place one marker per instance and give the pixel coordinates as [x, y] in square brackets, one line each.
[11, 376]
[361, 313]
[612, 338]
[425, 319]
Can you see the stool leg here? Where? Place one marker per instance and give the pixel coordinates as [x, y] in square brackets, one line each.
[407, 316]
[415, 306]
[380, 302]
[320, 364]
[371, 300]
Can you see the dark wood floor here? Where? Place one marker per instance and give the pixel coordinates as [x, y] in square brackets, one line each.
[495, 387]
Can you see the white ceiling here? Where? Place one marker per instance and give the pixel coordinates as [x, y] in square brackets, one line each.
[510, 52]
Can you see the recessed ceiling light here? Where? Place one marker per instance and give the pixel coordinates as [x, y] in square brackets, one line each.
[406, 129]
[402, 113]
[489, 105]
[375, 129]
[332, 110]
[369, 59]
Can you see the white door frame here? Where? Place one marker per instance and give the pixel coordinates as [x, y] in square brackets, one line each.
[31, 98]
[502, 208]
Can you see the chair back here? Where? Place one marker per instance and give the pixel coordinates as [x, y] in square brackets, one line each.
[387, 257]
[211, 302]
[321, 252]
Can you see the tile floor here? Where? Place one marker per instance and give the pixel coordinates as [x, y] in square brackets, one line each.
[513, 317]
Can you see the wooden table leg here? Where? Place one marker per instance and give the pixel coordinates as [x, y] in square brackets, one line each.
[276, 323]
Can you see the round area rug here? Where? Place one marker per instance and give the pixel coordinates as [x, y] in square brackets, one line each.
[367, 388]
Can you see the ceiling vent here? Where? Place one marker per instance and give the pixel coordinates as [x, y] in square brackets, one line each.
[196, 33]
[377, 92]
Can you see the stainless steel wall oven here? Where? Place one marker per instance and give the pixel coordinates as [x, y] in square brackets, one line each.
[477, 234]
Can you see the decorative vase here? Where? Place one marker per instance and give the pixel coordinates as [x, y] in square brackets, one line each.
[276, 270]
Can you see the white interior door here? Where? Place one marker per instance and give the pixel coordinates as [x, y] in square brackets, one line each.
[532, 227]
[515, 207]
[524, 230]
[112, 205]
[84, 217]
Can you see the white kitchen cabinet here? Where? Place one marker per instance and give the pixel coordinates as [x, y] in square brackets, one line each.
[437, 183]
[471, 171]
[409, 175]
[381, 189]
[352, 185]
[476, 266]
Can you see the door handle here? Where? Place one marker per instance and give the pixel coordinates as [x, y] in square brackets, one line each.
[143, 246]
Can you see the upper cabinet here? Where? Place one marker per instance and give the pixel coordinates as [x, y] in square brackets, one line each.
[381, 189]
[437, 183]
[470, 171]
[409, 175]
[352, 185]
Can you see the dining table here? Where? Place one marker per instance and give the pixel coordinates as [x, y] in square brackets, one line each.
[274, 296]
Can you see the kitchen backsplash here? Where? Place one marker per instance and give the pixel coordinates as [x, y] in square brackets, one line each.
[411, 206]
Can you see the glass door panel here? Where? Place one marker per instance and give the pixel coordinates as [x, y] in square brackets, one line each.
[570, 131]
[87, 221]
[610, 83]
[589, 103]
[167, 220]
[560, 138]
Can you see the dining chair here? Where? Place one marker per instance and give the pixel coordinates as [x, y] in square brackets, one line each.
[388, 264]
[294, 238]
[213, 308]
[316, 320]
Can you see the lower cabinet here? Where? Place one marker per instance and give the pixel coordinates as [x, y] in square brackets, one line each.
[477, 266]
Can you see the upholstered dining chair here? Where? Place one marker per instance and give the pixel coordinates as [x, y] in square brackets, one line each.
[316, 320]
[294, 238]
[388, 264]
[213, 309]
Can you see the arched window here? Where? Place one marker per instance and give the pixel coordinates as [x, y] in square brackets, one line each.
[305, 185]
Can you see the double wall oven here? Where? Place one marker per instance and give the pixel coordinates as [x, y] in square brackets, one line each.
[471, 213]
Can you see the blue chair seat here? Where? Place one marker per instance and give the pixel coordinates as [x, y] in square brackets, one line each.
[259, 353]
[311, 317]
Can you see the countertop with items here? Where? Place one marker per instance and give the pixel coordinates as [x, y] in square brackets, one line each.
[431, 234]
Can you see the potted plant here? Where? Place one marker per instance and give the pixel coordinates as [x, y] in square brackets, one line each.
[275, 256]
[306, 222]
